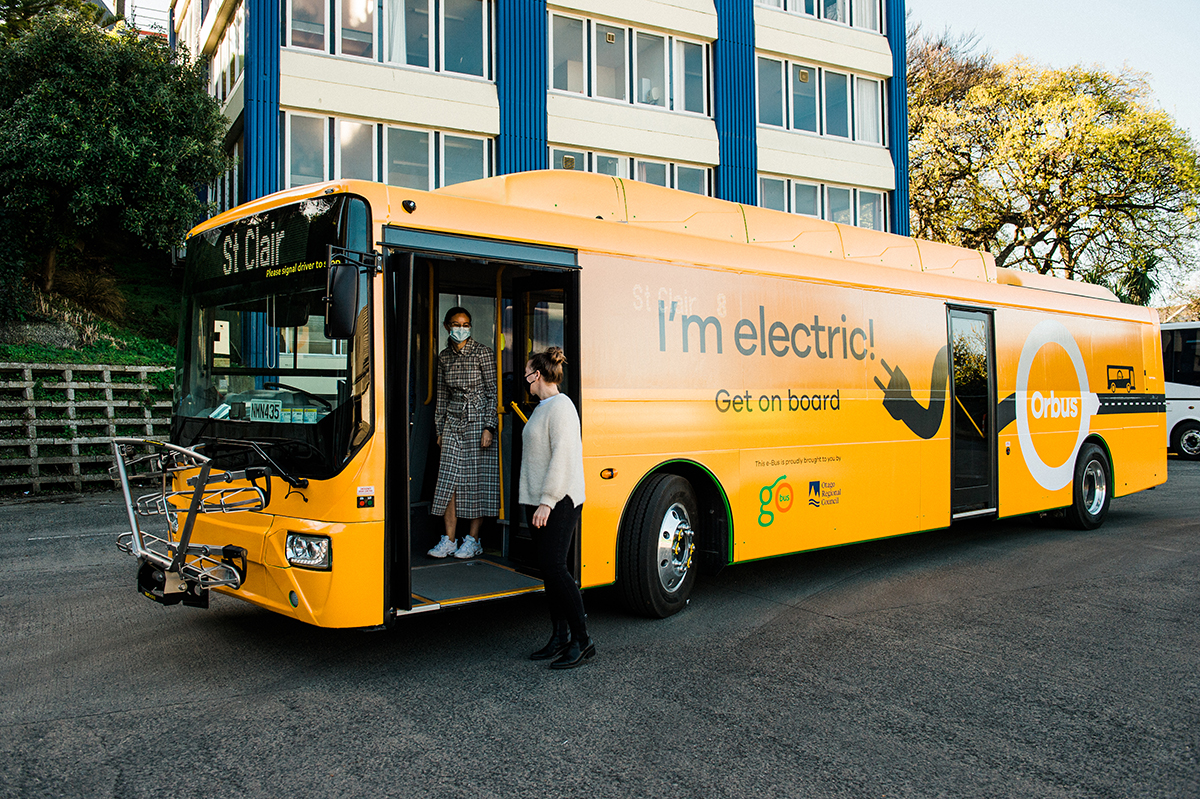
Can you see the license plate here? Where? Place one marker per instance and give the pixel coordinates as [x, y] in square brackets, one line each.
[265, 410]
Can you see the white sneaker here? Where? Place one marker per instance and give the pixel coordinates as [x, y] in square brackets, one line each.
[469, 548]
[444, 547]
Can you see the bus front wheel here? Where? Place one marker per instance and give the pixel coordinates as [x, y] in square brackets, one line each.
[1092, 488]
[1186, 441]
[656, 567]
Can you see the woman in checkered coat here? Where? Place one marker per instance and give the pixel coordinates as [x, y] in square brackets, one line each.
[468, 483]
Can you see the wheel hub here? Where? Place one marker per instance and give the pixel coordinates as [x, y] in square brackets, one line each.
[1189, 442]
[676, 546]
[1095, 487]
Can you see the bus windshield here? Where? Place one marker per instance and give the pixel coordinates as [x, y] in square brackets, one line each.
[256, 373]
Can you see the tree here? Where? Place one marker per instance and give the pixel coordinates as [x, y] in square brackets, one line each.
[103, 136]
[1069, 172]
[16, 16]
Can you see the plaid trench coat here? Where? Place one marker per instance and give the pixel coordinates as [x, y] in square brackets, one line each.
[466, 406]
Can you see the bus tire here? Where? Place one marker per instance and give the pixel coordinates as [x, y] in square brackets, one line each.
[1185, 440]
[656, 566]
[1092, 489]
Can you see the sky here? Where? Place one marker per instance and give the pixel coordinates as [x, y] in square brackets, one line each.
[1158, 38]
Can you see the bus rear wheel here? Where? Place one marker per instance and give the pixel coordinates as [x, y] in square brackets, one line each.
[1186, 441]
[1092, 490]
[656, 566]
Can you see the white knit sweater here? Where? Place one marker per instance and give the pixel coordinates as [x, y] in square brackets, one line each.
[552, 454]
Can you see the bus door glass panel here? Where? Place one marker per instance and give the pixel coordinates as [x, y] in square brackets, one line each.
[542, 318]
[972, 448]
[400, 357]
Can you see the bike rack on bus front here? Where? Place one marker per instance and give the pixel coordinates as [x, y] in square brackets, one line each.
[171, 568]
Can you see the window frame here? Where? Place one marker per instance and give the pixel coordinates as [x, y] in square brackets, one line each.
[430, 160]
[594, 52]
[665, 65]
[290, 116]
[585, 27]
[783, 91]
[799, 7]
[485, 41]
[822, 191]
[340, 8]
[441, 153]
[679, 78]
[880, 105]
[337, 149]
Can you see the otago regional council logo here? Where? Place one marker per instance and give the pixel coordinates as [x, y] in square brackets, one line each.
[814, 493]
[775, 497]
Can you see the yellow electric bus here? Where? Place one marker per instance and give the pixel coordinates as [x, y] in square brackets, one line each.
[751, 384]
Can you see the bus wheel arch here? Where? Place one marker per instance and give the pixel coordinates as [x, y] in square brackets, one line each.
[1185, 439]
[1092, 486]
[674, 525]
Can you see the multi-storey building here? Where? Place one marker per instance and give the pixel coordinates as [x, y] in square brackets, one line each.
[798, 105]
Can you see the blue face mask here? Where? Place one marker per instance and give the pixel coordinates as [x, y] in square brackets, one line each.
[460, 333]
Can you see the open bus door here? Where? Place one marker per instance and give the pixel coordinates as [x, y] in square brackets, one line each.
[427, 274]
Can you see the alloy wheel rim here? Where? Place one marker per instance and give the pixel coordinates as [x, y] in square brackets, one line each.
[676, 545]
[1095, 487]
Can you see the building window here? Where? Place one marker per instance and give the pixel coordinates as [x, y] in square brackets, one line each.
[692, 91]
[569, 159]
[308, 24]
[408, 155]
[770, 92]
[870, 209]
[836, 11]
[307, 150]
[837, 104]
[868, 110]
[651, 70]
[408, 31]
[409, 158]
[805, 113]
[461, 29]
[229, 59]
[685, 177]
[615, 165]
[865, 14]
[567, 42]
[864, 208]
[358, 28]
[356, 150]
[806, 199]
[610, 62]
[463, 158]
[602, 60]
[772, 193]
[464, 38]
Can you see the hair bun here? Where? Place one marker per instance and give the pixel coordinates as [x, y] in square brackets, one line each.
[557, 356]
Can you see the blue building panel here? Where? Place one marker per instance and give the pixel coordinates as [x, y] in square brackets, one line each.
[734, 102]
[898, 113]
[262, 137]
[522, 66]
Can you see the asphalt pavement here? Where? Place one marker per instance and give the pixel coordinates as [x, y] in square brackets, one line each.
[1010, 659]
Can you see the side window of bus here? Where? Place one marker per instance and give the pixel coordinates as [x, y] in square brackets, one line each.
[1187, 364]
[1168, 351]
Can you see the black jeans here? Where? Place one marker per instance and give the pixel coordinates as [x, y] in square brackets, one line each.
[553, 543]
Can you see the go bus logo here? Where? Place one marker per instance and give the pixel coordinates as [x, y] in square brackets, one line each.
[778, 495]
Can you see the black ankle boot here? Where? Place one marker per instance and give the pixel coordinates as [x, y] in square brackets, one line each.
[559, 640]
[577, 652]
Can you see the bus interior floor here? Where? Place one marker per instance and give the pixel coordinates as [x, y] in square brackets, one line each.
[451, 580]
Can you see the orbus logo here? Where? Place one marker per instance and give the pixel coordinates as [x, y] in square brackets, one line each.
[1053, 405]
[777, 495]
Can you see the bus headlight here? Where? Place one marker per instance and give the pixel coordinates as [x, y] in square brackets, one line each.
[309, 551]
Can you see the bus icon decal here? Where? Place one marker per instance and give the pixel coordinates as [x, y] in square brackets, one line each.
[1120, 378]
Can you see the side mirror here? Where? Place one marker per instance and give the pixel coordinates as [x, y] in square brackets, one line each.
[341, 297]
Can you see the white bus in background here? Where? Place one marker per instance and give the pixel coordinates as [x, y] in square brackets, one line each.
[1181, 372]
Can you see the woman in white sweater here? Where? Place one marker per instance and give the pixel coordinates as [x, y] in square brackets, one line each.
[552, 491]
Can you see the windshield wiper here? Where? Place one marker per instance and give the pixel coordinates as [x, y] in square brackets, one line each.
[257, 448]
